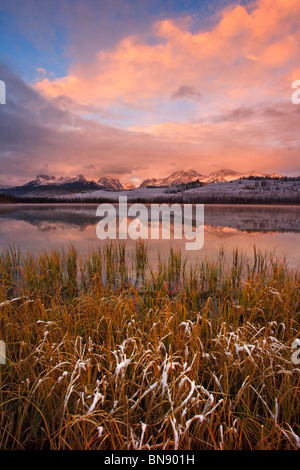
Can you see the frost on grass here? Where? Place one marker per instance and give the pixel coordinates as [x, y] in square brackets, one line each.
[202, 361]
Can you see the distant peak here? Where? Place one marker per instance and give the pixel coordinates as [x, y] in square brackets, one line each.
[227, 171]
[45, 177]
[80, 178]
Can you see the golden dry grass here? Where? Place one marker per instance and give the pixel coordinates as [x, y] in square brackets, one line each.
[106, 353]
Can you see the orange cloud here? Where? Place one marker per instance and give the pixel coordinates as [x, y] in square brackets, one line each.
[241, 51]
[249, 58]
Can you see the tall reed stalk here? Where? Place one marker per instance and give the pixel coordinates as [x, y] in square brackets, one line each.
[104, 351]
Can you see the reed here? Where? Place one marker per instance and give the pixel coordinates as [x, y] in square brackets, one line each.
[104, 351]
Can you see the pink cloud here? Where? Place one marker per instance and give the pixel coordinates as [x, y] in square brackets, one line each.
[248, 58]
[135, 72]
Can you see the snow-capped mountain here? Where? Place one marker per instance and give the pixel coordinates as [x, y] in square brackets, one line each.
[176, 178]
[129, 186]
[46, 185]
[180, 177]
[224, 175]
[151, 182]
[46, 180]
[110, 183]
[221, 176]
[183, 177]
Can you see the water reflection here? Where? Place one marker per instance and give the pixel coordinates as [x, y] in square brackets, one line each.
[38, 227]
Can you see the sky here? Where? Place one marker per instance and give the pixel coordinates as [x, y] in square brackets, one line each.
[142, 88]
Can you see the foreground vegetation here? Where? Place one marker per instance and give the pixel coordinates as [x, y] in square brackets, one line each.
[105, 353]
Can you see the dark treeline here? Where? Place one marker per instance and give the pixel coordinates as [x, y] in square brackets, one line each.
[9, 199]
[260, 199]
[266, 198]
[185, 186]
[270, 199]
[272, 178]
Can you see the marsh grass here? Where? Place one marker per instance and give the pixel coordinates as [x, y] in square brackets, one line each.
[104, 352]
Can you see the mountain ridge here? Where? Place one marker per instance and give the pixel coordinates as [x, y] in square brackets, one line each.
[220, 176]
[63, 185]
[43, 180]
[176, 178]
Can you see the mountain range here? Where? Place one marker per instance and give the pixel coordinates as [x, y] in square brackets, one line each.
[52, 185]
[101, 183]
[176, 178]
[230, 175]
[183, 177]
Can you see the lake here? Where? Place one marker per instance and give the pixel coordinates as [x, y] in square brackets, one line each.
[50, 226]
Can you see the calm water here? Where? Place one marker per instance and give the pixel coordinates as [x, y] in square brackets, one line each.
[44, 227]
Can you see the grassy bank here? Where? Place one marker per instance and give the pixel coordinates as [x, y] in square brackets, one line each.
[105, 353]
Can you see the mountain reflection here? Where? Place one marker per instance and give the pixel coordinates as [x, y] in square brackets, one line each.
[223, 220]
